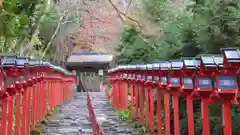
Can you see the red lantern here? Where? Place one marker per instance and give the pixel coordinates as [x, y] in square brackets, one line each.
[205, 85]
[175, 76]
[156, 74]
[190, 65]
[188, 76]
[10, 70]
[228, 81]
[164, 76]
[205, 76]
[164, 82]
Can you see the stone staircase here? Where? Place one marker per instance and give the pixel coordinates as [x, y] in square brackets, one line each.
[107, 117]
[73, 118]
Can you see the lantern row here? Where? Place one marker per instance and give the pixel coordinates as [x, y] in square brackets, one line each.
[15, 61]
[215, 76]
[29, 89]
[18, 72]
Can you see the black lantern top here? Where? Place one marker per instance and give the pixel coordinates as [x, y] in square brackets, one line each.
[176, 64]
[156, 66]
[149, 66]
[165, 65]
[45, 63]
[142, 67]
[137, 67]
[21, 61]
[218, 59]
[8, 60]
[33, 62]
[232, 54]
[190, 63]
[208, 61]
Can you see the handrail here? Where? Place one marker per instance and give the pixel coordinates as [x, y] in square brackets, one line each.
[97, 130]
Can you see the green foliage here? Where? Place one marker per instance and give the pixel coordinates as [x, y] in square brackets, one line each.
[204, 28]
[123, 115]
[21, 21]
[17, 21]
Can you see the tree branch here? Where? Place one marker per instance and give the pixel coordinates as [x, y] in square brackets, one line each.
[128, 6]
[120, 12]
[116, 9]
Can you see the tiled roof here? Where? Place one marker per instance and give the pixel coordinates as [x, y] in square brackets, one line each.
[81, 58]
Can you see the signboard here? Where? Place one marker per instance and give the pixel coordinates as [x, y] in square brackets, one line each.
[187, 81]
[100, 72]
[205, 82]
[175, 80]
[227, 82]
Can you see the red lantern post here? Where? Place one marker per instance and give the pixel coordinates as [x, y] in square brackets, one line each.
[124, 88]
[164, 82]
[112, 81]
[10, 69]
[118, 88]
[139, 80]
[150, 96]
[155, 83]
[139, 94]
[174, 88]
[188, 77]
[132, 82]
[205, 80]
[121, 87]
[227, 86]
[21, 85]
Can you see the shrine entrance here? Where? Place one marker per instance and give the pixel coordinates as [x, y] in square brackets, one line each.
[89, 68]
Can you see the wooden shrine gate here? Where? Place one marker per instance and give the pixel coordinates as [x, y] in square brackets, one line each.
[89, 66]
